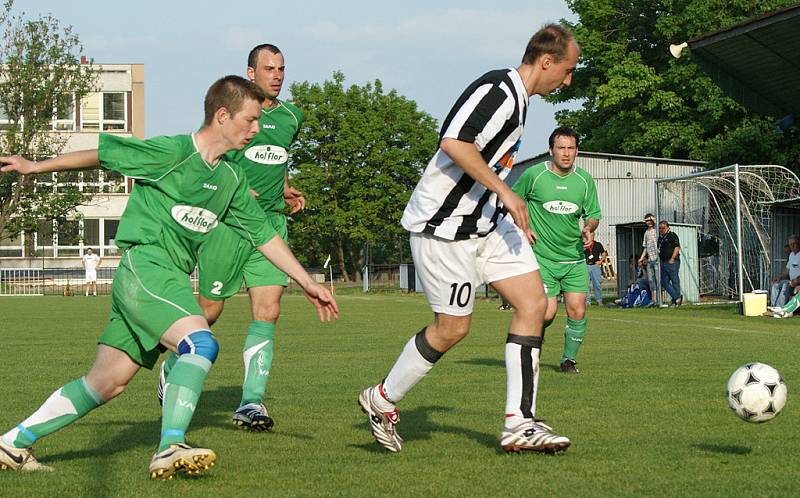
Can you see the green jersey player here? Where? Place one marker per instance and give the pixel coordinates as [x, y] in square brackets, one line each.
[559, 195]
[184, 191]
[228, 259]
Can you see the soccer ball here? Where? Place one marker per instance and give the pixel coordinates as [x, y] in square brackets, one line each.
[756, 392]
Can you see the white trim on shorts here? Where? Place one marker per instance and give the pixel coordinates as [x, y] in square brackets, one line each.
[450, 270]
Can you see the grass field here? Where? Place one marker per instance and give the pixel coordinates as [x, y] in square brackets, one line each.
[647, 415]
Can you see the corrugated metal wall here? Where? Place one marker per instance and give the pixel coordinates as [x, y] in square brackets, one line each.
[625, 186]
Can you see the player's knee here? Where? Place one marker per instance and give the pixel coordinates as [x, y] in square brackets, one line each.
[450, 333]
[108, 388]
[201, 343]
[212, 310]
[576, 312]
[266, 312]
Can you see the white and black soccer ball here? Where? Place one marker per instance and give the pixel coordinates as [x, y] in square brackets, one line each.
[756, 392]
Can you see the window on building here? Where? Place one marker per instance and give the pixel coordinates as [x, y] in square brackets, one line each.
[113, 182]
[11, 247]
[109, 235]
[90, 112]
[44, 239]
[91, 232]
[104, 111]
[65, 113]
[90, 180]
[5, 123]
[113, 111]
[68, 232]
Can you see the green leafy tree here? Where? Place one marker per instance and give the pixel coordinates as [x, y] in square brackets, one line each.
[359, 156]
[636, 99]
[41, 78]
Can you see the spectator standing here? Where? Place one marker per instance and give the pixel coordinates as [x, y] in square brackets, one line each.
[90, 263]
[595, 256]
[669, 251]
[649, 259]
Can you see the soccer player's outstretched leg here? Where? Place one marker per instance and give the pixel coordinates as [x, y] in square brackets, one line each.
[467, 228]
[153, 306]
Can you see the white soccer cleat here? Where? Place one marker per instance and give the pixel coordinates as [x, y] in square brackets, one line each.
[533, 436]
[782, 313]
[383, 424]
[181, 458]
[12, 458]
[777, 312]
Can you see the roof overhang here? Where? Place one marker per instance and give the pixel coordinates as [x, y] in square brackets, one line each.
[757, 62]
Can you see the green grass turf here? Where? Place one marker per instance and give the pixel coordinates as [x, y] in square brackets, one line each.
[647, 414]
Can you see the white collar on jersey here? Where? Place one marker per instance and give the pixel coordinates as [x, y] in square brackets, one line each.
[550, 167]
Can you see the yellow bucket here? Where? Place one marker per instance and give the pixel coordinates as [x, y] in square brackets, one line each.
[754, 304]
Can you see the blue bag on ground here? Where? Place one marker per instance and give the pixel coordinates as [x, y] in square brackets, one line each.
[635, 297]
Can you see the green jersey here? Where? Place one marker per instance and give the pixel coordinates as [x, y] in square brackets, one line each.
[179, 198]
[265, 158]
[555, 205]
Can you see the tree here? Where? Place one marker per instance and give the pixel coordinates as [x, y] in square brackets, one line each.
[636, 99]
[41, 78]
[359, 156]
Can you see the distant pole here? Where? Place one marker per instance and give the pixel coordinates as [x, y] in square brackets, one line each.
[329, 266]
[658, 262]
[739, 252]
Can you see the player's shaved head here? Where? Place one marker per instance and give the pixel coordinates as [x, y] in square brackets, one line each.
[553, 39]
[230, 92]
[252, 58]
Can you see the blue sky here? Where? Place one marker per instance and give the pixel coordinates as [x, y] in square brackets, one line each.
[427, 51]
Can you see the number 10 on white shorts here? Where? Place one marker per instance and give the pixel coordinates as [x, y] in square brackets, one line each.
[450, 270]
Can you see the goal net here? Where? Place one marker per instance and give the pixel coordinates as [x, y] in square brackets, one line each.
[708, 199]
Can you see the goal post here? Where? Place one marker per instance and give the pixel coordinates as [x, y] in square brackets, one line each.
[733, 206]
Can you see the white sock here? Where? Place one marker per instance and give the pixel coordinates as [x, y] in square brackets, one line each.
[522, 378]
[413, 364]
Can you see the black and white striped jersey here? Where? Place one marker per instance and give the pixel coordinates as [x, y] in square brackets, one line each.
[447, 202]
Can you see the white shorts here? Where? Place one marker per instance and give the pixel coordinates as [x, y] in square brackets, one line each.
[450, 270]
[91, 276]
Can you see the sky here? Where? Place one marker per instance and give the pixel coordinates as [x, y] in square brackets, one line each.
[427, 51]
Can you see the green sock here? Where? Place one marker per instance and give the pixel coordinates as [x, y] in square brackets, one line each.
[69, 403]
[257, 356]
[181, 393]
[573, 337]
[793, 304]
[169, 362]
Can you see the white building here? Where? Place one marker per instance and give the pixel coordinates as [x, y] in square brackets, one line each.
[118, 107]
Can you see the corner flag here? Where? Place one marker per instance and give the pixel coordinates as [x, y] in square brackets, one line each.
[327, 261]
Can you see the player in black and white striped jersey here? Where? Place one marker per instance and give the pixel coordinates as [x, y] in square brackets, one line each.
[462, 236]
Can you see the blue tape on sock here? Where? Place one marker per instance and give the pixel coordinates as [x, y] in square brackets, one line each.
[28, 434]
[173, 432]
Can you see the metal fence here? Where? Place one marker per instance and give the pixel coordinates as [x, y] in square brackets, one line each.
[57, 281]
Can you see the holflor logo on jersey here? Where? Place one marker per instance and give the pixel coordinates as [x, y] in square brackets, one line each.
[195, 218]
[560, 207]
[267, 154]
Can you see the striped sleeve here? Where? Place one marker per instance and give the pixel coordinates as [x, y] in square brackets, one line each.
[482, 115]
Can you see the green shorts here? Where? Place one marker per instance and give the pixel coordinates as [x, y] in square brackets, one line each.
[563, 277]
[149, 294]
[226, 258]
